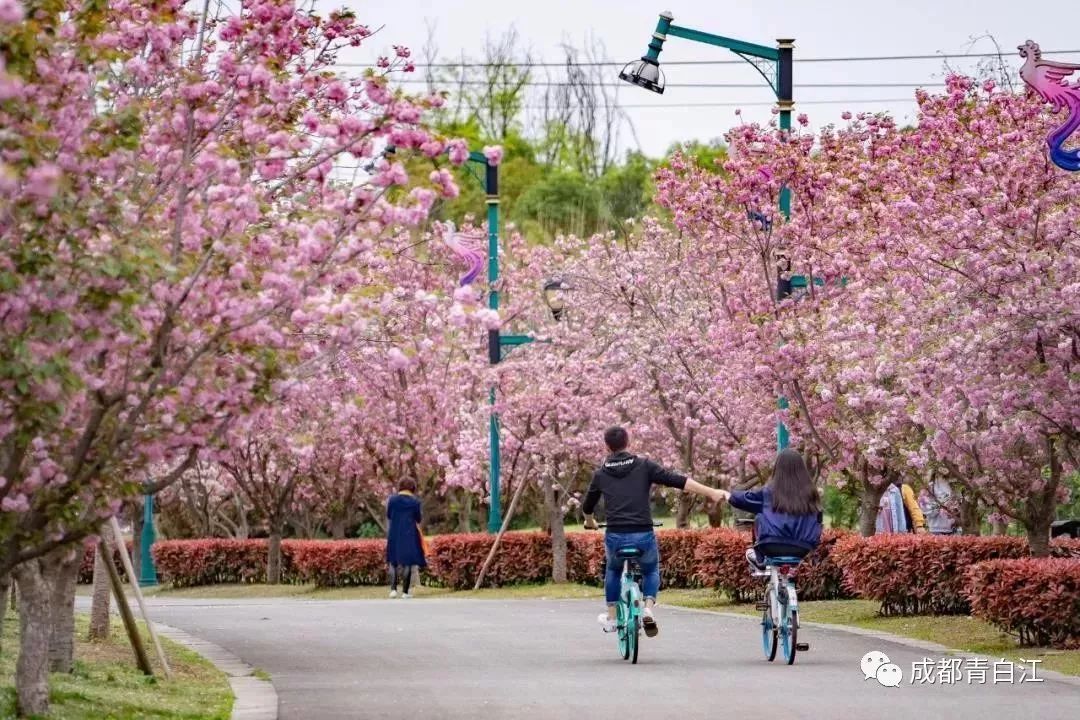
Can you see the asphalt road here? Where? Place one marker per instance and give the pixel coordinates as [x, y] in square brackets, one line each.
[504, 660]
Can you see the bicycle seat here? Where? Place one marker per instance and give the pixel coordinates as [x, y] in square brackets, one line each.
[628, 553]
[783, 560]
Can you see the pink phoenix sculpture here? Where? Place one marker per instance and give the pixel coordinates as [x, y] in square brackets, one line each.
[474, 260]
[1047, 79]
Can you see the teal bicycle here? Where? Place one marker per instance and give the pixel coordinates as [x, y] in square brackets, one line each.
[631, 604]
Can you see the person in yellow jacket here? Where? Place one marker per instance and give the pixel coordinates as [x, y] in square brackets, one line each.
[915, 520]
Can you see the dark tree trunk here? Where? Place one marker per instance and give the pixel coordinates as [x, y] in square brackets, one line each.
[337, 528]
[868, 505]
[99, 606]
[62, 631]
[682, 511]
[5, 585]
[999, 526]
[970, 516]
[558, 532]
[465, 509]
[32, 667]
[717, 514]
[136, 538]
[1038, 535]
[273, 560]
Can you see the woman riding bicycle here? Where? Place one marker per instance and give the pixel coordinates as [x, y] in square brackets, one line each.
[788, 512]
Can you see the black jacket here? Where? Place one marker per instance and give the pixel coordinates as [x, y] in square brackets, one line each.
[625, 482]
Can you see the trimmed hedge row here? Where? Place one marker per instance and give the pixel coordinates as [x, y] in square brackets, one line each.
[186, 563]
[690, 558]
[1037, 599]
[913, 575]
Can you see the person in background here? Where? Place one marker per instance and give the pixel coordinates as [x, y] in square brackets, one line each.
[934, 503]
[898, 511]
[404, 542]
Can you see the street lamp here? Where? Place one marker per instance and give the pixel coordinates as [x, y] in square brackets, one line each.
[555, 297]
[774, 64]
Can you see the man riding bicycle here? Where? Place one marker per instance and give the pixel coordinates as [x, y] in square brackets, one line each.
[625, 482]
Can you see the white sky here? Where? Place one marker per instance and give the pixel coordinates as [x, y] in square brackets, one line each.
[847, 28]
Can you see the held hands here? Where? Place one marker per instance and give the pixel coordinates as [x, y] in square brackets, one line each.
[717, 495]
[590, 522]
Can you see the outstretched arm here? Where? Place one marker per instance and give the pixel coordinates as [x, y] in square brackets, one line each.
[592, 497]
[714, 494]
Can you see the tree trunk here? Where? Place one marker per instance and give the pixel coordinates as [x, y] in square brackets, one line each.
[32, 667]
[273, 560]
[99, 606]
[62, 631]
[999, 526]
[682, 511]
[337, 528]
[5, 584]
[868, 506]
[970, 516]
[1038, 534]
[465, 509]
[558, 532]
[136, 538]
[717, 513]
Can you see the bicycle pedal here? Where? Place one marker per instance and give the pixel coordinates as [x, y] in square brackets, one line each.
[802, 647]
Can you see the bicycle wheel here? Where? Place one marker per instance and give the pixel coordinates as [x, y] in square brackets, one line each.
[622, 620]
[768, 628]
[791, 637]
[635, 638]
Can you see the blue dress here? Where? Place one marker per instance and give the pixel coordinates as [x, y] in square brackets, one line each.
[403, 536]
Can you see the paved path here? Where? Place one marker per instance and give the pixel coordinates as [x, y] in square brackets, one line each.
[448, 659]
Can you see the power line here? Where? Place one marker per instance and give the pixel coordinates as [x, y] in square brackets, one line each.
[798, 103]
[479, 83]
[798, 60]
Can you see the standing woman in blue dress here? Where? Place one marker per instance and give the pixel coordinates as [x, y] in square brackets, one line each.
[404, 544]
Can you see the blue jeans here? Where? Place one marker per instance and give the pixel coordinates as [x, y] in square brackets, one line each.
[649, 560]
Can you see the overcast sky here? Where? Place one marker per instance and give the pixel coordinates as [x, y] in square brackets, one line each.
[848, 28]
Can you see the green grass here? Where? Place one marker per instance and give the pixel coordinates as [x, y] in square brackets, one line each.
[107, 686]
[958, 632]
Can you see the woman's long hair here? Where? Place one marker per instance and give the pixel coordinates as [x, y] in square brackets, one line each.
[793, 491]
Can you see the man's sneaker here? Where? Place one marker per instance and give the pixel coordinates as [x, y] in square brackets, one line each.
[406, 596]
[648, 621]
[393, 594]
[608, 623]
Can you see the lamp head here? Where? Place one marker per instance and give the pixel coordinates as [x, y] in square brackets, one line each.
[644, 73]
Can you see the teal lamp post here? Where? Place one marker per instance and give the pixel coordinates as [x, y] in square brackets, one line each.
[774, 64]
[147, 571]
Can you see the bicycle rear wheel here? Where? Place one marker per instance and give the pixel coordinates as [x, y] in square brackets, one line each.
[622, 620]
[768, 628]
[635, 638]
[790, 635]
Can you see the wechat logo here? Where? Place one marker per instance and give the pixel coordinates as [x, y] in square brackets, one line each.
[875, 664]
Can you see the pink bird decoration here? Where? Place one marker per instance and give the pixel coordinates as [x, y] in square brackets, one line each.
[474, 260]
[1047, 79]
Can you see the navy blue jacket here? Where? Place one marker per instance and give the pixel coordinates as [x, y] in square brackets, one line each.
[403, 536]
[802, 531]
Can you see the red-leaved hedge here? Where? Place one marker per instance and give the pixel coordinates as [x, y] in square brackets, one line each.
[721, 564]
[454, 561]
[338, 563]
[923, 574]
[1038, 599]
[186, 563]
[86, 565]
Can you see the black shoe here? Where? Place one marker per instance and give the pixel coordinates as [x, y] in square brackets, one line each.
[649, 623]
